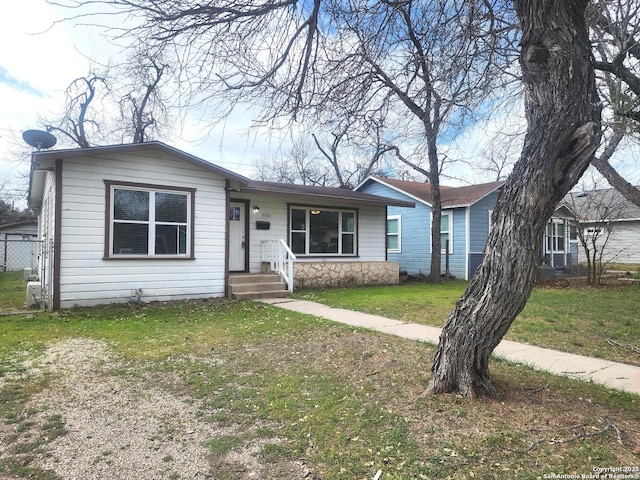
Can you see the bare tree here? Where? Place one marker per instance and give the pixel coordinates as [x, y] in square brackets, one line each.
[615, 33]
[312, 61]
[433, 59]
[143, 108]
[563, 115]
[595, 212]
[79, 122]
[353, 160]
[300, 165]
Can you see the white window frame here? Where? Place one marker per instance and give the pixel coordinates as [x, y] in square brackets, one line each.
[398, 218]
[151, 221]
[443, 249]
[340, 232]
[553, 226]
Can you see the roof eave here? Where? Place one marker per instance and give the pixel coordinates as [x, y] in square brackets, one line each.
[369, 200]
[397, 189]
[139, 147]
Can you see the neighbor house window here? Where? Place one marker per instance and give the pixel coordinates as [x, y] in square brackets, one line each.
[555, 236]
[394, 234]
[446, 233]
[149, 222]
[320, 231]
[573, 233]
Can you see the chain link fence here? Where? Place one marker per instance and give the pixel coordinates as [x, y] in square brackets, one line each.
[18, 254]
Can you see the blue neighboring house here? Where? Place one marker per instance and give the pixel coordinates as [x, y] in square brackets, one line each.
[466, 216]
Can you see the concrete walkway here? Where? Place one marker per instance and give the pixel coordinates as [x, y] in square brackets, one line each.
[610, 374]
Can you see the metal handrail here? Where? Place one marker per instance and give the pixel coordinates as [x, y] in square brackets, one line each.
[280, 258]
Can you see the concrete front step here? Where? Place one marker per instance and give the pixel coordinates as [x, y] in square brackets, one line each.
[238, 278]
[255, 286]
[258, 295]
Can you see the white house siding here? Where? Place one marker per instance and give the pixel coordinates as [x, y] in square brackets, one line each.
[86, 278]
[273, 209]
[623, 245]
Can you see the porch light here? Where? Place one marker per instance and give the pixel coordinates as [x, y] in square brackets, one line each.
[256, 210]
[315, 212]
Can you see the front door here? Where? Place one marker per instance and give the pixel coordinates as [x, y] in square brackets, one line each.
[237, 234]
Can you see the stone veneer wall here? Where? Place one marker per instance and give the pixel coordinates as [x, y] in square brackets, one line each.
[344, 274]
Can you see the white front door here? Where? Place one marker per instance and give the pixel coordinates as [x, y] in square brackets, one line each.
[237, 233]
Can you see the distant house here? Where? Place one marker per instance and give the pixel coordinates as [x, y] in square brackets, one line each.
[18, 250]
[150, 222]
[466, 217]
[560, 245]
[606, 215]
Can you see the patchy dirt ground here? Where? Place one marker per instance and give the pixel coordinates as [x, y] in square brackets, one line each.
[95, 416]
[119, 427]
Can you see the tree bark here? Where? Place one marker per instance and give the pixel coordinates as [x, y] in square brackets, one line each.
[563, 114]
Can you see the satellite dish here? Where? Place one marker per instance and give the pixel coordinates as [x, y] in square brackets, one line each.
[39, 139]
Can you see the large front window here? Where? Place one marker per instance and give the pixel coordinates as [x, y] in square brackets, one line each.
[318, 231]
[149, 222]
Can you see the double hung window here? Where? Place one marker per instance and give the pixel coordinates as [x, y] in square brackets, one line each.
[394, 234]
[149, 222]
[445, 233]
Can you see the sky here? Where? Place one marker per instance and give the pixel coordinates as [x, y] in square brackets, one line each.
[38, 61]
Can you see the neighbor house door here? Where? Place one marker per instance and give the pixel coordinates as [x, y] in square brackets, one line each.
[237, 237]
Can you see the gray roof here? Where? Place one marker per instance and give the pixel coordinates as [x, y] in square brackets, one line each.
[245, 184]
[327, 193]
[600, 205]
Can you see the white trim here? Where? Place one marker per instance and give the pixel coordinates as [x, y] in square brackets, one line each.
[467, 219]
[448, 213]
[392, 187]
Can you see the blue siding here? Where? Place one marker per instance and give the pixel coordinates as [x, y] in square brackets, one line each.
[415, 257]
[479, 230]
[479, 222]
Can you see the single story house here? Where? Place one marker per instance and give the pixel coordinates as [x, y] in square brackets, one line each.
[18, 246]
[608, 219]
[466, 218]
[150, 222]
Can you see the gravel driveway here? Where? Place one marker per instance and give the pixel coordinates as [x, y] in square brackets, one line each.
[118, 427]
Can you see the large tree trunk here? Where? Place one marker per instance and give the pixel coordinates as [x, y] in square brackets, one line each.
[563, 114]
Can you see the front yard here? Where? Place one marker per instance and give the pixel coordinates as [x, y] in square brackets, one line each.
[601, 322]
[238, 390]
